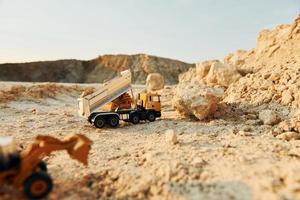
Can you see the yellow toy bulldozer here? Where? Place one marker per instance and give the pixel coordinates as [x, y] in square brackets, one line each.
[26, 171]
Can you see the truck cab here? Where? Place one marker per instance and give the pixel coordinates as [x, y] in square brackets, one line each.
[149, 101]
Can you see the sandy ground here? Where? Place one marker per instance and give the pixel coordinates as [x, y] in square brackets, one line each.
[219, 159]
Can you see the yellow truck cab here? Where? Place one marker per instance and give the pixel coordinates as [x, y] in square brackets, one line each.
[149, 101]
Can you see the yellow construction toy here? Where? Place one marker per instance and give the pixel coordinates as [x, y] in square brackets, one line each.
[26, 171]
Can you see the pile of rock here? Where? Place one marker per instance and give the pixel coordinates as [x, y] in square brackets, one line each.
[212, 73]
[275, 69]
[193, 99]
[268, 74]
[288, 129]
[200, 91]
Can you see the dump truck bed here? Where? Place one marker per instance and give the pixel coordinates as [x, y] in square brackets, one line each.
[108, 92]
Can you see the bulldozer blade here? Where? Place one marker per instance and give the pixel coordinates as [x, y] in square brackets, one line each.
[80, 149]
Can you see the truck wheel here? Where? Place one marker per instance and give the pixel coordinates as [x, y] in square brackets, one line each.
[135, 118]
[151, 116]
[38, 185]
[113, 121]
[99, 122]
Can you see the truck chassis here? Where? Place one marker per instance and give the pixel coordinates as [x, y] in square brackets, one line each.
[100, 119]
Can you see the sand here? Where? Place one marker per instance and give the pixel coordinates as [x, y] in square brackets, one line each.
[219, 159]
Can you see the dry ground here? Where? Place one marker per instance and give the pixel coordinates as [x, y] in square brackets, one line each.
[218, 159]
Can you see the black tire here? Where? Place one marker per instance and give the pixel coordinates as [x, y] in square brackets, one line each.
[38, 185]
[151, 116]
[135, 118]
[113, 121]
[43, 166]
[99, 122]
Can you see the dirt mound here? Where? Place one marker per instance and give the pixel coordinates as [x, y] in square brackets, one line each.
[272, 69]
[267, 76]
[94, 71]
[34, 92]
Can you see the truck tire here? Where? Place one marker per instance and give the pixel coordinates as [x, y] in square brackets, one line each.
[135, 118]
[113, 121]
[38, 185]
[99, 122]
[151, 116]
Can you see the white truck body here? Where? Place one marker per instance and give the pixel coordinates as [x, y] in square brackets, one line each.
[108, 92]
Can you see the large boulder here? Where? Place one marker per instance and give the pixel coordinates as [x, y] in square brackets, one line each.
[193, 99]
[216, 73]
[155, 81]
[222, 74]
[237, 59]
[203, 68]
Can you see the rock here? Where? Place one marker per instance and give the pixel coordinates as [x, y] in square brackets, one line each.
[245, 133]
[269, 117]
[286, 97]
[188, 75]
[290, 135]
[203, 68]
[196, 100]
[222, 74]
[295, 28]
[246, 128]
[214, 72]
[253, 122]
[171, 137]
[155, 81]
[276, 131]
[291, 124]
[251, 116]
[205, 175]
[294, 152]
[33, 111]
[237, 59]
[198, 162]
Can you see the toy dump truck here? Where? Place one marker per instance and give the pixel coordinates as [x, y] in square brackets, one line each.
[26, 171]
[146, 106]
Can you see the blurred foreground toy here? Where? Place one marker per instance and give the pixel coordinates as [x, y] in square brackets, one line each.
[26, 171]
[146, 106]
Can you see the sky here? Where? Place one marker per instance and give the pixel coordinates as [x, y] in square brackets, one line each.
[187, 30]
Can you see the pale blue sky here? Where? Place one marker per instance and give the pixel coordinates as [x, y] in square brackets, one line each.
[188, 30]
